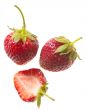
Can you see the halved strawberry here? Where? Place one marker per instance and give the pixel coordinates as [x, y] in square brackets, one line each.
[31, 85]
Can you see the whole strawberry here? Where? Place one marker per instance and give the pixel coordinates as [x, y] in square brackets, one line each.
[58, 54]
[20, 45]
[31, 85]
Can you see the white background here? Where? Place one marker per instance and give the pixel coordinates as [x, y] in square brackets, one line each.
[46, 19]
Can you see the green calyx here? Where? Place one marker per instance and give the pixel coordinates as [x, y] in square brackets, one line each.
[42, 92]
[67, 47]
[22, 34]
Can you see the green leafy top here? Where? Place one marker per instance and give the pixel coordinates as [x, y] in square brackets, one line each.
[62, 39]
[22, 34]
[42, 92]
[67, 47]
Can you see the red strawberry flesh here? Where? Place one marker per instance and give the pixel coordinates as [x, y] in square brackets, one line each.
[28, 83]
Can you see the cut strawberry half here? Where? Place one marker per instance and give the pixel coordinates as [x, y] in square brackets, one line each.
[31, 85]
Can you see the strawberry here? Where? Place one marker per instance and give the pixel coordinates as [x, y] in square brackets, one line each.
[20, 45]
[58, 54]
[31, 85]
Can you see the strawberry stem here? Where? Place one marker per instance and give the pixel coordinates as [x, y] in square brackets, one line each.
[24, 25]
[42, 92]
[72, 43]
[47, 96]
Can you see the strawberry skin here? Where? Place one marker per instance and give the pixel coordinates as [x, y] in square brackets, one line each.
[20, 52]
[21, 45]
[53, 58]
[28, 82]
